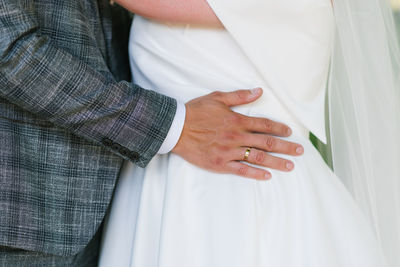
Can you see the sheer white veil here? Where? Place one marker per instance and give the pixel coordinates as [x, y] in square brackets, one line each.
[364, 114]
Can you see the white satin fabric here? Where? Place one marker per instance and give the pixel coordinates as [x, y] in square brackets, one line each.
[191, 217]
[289, 43]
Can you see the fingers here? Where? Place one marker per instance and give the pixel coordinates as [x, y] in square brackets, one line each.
[247, 171]
[273, 144]
[239, 97]
[263, 125]
[261, 158]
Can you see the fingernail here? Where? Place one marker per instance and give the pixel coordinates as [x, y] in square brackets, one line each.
[289, 165]
[289, 131]
[299, 150]
[256, 91]
[268, 176]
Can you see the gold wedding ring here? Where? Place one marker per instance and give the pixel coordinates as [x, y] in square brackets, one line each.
[247, 154]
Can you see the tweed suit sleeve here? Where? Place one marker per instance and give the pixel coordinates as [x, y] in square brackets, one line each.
[53, 84]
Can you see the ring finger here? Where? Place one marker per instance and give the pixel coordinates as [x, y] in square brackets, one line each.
[262, 158]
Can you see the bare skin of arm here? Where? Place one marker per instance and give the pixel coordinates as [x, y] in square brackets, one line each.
[214, 137]
[196, 12]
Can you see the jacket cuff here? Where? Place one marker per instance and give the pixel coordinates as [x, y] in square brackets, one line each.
[144, 129]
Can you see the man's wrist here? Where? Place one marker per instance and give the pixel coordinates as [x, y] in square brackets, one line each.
[175, 131]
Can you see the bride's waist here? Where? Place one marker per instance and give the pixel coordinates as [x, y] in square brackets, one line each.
[177, 63]
[267, 106]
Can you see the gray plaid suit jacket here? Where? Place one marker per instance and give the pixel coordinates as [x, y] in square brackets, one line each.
[67, 120]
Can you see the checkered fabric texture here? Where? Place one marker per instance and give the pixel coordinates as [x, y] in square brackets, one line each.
[68, 118]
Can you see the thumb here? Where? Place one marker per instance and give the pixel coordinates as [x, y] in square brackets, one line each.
[239, 97]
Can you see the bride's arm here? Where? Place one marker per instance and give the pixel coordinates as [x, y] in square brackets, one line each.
[178, 11]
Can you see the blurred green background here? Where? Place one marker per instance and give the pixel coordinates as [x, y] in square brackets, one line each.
[396, 12]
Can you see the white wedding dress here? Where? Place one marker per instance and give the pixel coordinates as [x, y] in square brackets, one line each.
[173, 214]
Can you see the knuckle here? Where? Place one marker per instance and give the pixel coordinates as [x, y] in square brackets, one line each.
[241, 95]
[260, 157]
[243, 171]
[268, 125]
[224, 149]
[270, 142]
[236, 119]
[218, 161]
[216, 94]
[250, 122]
[229, 136]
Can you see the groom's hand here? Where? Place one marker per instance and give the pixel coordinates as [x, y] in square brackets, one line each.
[216, 138]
